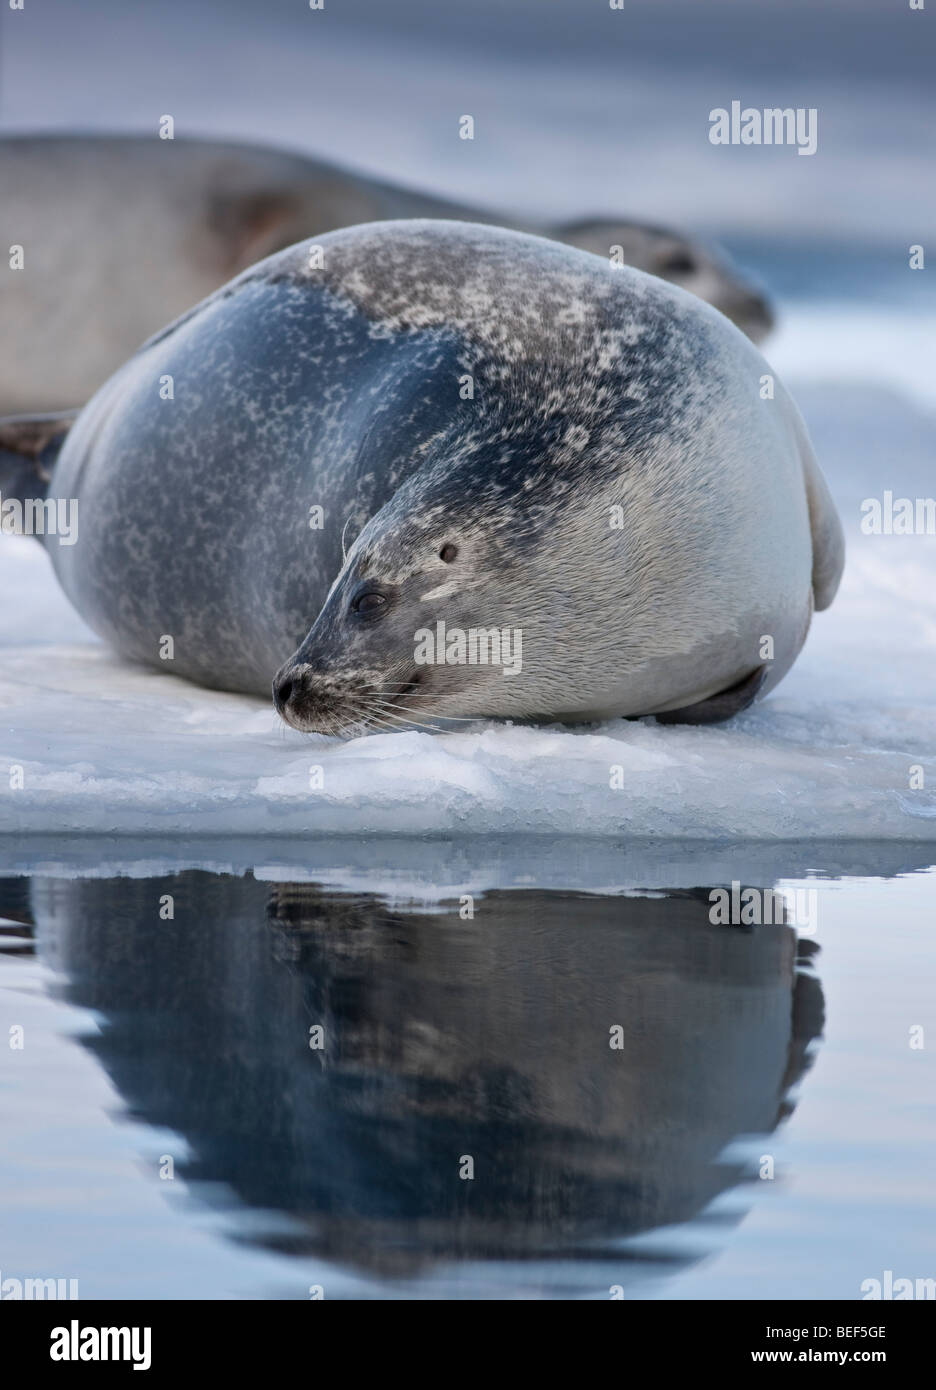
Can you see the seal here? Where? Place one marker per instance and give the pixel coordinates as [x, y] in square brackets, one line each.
[121, 234]
[702, 270]
[565, 495]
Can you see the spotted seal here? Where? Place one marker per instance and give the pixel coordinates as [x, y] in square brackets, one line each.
[121, 234]
[509, 436]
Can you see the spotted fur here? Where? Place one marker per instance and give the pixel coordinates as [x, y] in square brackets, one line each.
[596, 392]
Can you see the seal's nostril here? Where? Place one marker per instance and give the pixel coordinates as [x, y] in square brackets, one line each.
[282, 692]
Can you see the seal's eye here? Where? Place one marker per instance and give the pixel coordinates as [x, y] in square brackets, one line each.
[367, 602]
[679, 263]
[448, 552]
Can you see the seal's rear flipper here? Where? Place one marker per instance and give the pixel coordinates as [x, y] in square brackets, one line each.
[717, 708]
[828, 538]
[29, 446]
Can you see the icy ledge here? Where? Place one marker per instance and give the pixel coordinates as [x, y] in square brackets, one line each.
[153, 754]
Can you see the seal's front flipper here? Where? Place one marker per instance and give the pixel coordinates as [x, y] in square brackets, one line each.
[717, 708]
[828, 538]
[29, 446]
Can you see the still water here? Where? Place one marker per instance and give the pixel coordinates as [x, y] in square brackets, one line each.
[254, 1084]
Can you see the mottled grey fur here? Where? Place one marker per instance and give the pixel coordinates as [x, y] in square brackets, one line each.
[121, 234]
[342, 387]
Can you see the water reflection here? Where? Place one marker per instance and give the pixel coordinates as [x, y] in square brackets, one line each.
[444, 1039]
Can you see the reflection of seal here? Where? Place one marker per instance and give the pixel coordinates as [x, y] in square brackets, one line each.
[122, 234]
[554, 1037]
[573, 458]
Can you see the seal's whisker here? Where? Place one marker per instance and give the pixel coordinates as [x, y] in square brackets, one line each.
[456, 718]
[368, 714]
[344, 531]
[391, 703]
[382, 714]
[375, 721]
[388, 692]
[402, 709]
[374, 707]
[390, 711]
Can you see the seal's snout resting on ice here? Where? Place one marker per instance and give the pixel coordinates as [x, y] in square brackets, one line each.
[568, 491]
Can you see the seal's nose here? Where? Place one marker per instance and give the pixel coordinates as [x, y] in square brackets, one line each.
[752, 314]
[284, 685]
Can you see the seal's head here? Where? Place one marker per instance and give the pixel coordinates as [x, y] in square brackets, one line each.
[684, 262]
[465, 598]
[555, 548]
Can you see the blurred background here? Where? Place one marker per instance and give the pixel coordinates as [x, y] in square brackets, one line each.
[579, 110]
[578, 107]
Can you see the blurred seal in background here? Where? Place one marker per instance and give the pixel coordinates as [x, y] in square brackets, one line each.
[122, 234]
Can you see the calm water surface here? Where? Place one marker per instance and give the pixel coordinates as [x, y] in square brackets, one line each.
[648, 1101]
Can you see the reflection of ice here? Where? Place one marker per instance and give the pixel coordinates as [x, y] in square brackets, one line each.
[106, 747]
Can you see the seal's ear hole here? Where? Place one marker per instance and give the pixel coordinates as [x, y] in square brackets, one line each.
[448, 552]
